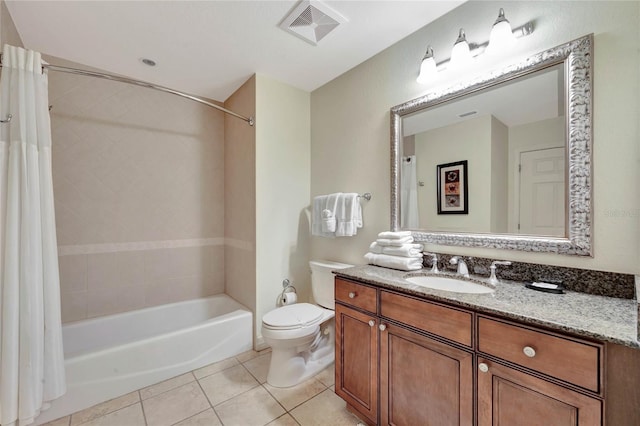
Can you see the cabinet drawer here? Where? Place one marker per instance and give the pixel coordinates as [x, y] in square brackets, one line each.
[437, 319]
[357, 295]
[573, 361]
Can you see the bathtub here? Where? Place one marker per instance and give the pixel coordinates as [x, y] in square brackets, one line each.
[110, 356]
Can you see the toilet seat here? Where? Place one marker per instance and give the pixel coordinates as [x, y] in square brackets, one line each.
[290, 317]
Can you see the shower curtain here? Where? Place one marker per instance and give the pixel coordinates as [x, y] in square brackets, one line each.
[31, 356]
[409, 217]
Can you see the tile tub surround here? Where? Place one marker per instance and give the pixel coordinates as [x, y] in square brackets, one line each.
[600, 283]
[104, 283]
[598, 317]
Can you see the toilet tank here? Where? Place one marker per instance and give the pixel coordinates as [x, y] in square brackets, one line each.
[322, 281]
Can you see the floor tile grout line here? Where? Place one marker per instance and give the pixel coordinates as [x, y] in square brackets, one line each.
[252, 375]
[215, 372]
[276, 399]
[193, 415]
[205, 394]
[144, 415]
[168, 390]
[108, 412]
[286, 414]
[306, 400]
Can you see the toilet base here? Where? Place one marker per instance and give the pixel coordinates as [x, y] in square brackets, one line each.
[293, 365]
[288, 370]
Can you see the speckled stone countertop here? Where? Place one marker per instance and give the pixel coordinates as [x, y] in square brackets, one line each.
[598, 317]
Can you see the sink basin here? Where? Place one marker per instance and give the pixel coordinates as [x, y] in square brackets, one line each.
[450, 284]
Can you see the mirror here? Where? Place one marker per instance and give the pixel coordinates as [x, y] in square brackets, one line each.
[502, 161]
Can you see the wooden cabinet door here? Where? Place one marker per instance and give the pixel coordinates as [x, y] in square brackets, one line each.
[423, 381]
[510, 397]
[357, 360]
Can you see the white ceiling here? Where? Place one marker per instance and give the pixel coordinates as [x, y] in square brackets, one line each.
[209, 48]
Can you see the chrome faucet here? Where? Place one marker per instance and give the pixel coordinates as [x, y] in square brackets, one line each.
[434, 262]
[462, 266]
[493, 279]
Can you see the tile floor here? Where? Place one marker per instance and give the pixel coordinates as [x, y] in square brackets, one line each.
[230, 392]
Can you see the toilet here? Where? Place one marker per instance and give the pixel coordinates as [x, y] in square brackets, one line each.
[302, 335]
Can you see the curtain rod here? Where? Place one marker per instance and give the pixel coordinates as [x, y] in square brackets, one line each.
[126, 80]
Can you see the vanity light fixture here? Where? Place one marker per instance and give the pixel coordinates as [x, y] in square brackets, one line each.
[460, 54]
[428, 68]
[501, 39]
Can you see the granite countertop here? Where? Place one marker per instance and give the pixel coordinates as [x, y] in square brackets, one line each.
[603, 318]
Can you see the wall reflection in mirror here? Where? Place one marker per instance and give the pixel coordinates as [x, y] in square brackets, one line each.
[513, 137]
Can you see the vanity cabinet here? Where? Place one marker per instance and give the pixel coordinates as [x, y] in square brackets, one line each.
[357, 344]
[510, 397]
[405, 360]
[385, 339]
[423, 381]
[568, 395]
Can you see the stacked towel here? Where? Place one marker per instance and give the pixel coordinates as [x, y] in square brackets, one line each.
[405, 250]
[336, 215]
[395, 250]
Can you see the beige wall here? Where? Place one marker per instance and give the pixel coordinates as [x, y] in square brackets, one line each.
[267, 192]
[139, 195]
[282, 193]
[350, 122]
[240, 200]
[499, 169]
[468, 140]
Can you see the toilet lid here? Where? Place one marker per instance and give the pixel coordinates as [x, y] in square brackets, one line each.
[293, 316]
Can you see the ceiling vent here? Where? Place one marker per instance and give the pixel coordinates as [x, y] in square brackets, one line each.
[312, 20]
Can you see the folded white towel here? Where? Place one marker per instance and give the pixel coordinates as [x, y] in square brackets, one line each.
[395, 262]
[397, 242]
[390, 235]
[405, 250]
[348, 215]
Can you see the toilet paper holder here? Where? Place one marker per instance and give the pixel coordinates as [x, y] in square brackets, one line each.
[286, 288]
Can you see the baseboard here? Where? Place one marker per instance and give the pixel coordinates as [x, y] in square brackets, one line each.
[260, 344]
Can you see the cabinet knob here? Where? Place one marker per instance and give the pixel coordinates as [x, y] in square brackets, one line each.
[372, 323]
[382, 327]
[352, 294]
[529, 351]
[483, 367]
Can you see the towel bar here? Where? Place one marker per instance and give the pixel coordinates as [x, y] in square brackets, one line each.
[366, 196]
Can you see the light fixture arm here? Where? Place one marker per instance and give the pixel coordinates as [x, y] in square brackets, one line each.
[429, 53]
[501, 17]
[462, 37]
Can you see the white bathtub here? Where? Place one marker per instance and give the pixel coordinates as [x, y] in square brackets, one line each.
[113, 355]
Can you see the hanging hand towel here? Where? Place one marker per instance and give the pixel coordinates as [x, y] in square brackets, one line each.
[323, 220]
[389, 235]
[328, 221]
[405, 250]
[329, 213]
[397, 242]
[348, 215]
[395, 262]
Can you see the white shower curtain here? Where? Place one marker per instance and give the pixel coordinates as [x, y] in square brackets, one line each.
[31, 356]
[409, 216]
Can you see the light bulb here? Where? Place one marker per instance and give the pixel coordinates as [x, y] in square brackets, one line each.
[501, 38]
[461, 54]
[428, 69]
